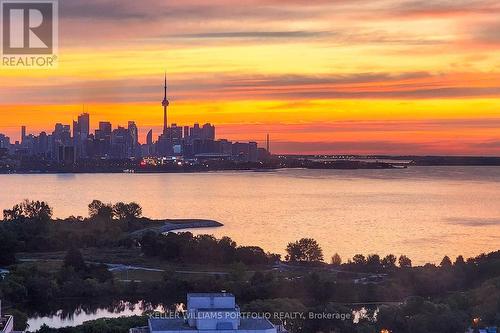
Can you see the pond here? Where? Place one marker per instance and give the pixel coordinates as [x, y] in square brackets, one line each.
[74, 312]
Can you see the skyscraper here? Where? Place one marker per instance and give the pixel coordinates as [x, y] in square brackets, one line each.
[195, 131]
[81, 131]
[84, 123]
[165, 104]
[149, 137]
[134, 132]
[23, 133]
[134, 139]
[208, 132]
[268, 143]
[105, 128]
[4, 141]
[175, 133]
[103, 139]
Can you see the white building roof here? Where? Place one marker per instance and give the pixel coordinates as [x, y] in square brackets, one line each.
[180, 325]
[211, 313]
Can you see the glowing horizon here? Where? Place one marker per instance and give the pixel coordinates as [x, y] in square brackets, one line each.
[360, 77]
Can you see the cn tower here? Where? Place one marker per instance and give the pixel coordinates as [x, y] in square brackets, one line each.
[165, 104]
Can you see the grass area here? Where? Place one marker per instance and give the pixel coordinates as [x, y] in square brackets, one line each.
[52, 261]
[138, 275]
[132, 257]
[47, 266]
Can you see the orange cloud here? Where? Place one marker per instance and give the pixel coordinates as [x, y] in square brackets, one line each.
[360, 75]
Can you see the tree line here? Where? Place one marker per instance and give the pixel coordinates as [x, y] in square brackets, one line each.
[29, 227]
[308, 251]
[184, 247]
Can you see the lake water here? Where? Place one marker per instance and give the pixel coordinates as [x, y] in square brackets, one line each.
[423, 212]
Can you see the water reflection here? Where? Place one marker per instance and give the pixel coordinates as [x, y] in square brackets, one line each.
[365, 313]
[76, 312]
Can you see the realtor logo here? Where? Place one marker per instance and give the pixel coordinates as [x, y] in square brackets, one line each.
[29, 33]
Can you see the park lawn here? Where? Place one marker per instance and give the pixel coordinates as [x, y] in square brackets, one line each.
[138, 276]
[133, 257]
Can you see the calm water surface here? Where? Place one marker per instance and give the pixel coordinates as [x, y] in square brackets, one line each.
[74, 315]
[424, 212]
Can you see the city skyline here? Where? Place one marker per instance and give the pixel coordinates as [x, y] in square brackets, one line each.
[69, 144]
[81, 131]
[358, 77]
[24, 131]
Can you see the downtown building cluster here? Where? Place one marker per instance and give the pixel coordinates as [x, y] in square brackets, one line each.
[69, 144]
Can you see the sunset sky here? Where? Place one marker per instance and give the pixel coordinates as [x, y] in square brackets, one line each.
[321, 76]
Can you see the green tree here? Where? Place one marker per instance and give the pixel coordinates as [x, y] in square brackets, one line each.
[75, 260]
[294, 252]
[99, 209]
[127, 212]
[373, 262]
[305, 249]
[359, 259]
[37, 210]
[336, 260]
[238, 271]
[29, 209]
[404, 261]
[389, 261]
[459, 261]
[446, 262]
[7, 248]
[14, 214]
[251, 255]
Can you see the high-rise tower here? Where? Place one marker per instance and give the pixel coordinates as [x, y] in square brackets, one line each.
[23, 133]
[84, 123]
[268, 144]
[165, 104]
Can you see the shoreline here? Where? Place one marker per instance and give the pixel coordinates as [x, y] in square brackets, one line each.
[168, 225]
[334, 162]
